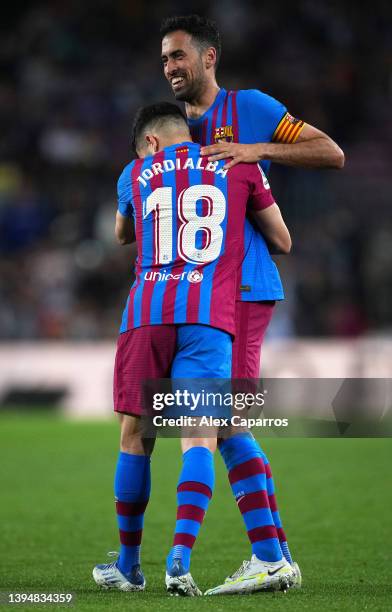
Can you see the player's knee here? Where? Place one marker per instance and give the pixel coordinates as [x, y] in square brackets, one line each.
[131, 445]
[232, 432]
[131, 436]
[187, 443]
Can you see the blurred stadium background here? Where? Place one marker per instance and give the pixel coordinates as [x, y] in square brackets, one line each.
[72, 76]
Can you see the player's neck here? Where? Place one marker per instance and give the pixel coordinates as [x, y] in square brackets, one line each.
[175, 139]
[196, 108]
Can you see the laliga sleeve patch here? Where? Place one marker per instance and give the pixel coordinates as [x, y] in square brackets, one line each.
[265, 180]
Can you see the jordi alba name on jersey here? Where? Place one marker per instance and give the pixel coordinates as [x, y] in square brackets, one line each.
[189, 217]
[247, 117]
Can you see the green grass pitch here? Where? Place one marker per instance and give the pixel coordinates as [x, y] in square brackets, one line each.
[57, 520]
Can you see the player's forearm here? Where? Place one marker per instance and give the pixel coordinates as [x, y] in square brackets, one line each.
[124, 234]
[124, 240]
[320, 152]
[124, 229]
[269, 222]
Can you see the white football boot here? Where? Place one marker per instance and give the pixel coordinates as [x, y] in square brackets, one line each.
[181, 583]
[108, 576]
[256, 575]
[298, 576]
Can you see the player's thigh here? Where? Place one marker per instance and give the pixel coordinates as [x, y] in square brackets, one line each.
[252, 320]
[145, 352]
[202, 352]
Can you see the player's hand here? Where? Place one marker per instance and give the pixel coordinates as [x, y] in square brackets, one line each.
[247, 153]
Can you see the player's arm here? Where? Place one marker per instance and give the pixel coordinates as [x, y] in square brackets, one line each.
[287, 140]
[312, 149]
[265, 213]
[269, 222]
[124, 229]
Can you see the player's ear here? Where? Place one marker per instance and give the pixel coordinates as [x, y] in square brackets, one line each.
[152, 143]
[210, 57]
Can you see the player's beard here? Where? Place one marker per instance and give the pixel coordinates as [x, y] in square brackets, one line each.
[193, 89]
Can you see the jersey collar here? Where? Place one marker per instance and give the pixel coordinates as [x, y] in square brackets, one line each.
[178, 145]
[219, 97]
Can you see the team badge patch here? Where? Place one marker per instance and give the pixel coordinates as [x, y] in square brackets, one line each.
[224, 133]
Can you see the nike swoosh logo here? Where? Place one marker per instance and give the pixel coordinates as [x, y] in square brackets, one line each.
[274, 572]
[255, 576]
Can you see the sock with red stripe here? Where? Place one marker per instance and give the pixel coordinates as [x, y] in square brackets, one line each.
[244, 461]
[132, 486]
[274, 509]
[194, 492]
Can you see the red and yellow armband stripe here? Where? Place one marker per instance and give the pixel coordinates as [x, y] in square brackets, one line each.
[288, 130]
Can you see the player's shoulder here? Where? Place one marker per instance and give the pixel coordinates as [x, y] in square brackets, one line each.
[125, 179]
[128, 171]
[256, 97]
[243, 173]
[248, 173]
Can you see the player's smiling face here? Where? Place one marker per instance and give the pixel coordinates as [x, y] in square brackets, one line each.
[183, 65]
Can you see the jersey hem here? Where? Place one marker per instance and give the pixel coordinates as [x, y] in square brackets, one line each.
[227, 330]
[260, 298]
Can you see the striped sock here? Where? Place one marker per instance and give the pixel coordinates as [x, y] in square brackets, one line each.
[194, 492]
[132, 486]
[275, 513]
[244, 461]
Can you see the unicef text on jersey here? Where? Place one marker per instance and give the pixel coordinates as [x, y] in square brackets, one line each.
[193, 276]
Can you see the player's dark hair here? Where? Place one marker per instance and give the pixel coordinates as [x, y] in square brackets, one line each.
[203, 31]
[154, 115]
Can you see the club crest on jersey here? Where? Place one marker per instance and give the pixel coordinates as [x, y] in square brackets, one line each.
[195, 276]
[224, 133]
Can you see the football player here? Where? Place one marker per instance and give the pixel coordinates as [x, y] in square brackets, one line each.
[178, 322]
[242, 126]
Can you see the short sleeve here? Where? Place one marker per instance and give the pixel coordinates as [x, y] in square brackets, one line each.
[265, 114]
[260, 191]
[124, 192]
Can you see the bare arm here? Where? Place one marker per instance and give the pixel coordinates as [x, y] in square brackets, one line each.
[269, 222]
[124, 229]
[312, 149]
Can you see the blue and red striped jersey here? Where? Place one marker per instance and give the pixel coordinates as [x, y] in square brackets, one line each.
[249, 116]
[189, 217]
